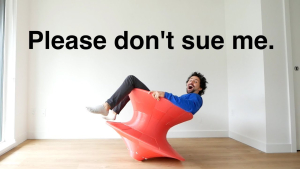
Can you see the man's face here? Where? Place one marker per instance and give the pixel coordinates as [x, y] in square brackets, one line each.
[193, 85]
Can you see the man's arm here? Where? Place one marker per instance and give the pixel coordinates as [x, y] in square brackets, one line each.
[192, 104]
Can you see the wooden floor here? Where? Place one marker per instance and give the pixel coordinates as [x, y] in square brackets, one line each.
[223, 153]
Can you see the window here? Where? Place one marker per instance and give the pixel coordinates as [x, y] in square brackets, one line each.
[2, 16]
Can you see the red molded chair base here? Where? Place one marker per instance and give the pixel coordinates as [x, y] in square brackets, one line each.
[139, 148]
[145, 134]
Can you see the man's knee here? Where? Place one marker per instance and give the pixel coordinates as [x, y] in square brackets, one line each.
[130, 77]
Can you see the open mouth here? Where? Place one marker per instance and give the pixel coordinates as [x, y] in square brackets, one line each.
[190, 87]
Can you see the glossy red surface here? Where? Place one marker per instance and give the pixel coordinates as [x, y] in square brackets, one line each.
[145, 134]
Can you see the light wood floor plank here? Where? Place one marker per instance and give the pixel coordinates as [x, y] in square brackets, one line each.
[203, 153]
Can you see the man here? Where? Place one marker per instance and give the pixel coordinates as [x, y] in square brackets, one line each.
[190, 102]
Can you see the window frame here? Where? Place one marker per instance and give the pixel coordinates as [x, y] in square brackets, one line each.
[9, 66]
[2, 30]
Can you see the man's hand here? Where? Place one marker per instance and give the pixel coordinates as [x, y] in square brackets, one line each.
[157, 94]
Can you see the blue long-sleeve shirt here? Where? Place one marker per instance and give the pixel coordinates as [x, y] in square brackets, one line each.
[190, 102]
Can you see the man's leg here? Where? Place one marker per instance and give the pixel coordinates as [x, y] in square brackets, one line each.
[117, 109]
[120, 98]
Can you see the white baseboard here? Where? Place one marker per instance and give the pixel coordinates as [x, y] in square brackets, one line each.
[197, 134]
[267, 148]
[10, 144]
[6, 146]
[113, 135]
[279, 148]
[73, 135]
[21, 138]
[249, 141]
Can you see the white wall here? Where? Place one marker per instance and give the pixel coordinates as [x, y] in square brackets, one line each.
[63, 82]
[294, 60]
[275, 70]
[259, 112]
[249, 84]
[21, 77]
[245, 68]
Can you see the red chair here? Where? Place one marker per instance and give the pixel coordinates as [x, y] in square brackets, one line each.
[145, 134]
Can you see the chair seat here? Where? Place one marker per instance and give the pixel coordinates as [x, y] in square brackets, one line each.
[145, 134]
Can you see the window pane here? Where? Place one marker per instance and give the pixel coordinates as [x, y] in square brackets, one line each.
[2, 13]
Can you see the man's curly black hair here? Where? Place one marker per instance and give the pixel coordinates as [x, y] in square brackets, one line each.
[202, 81]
